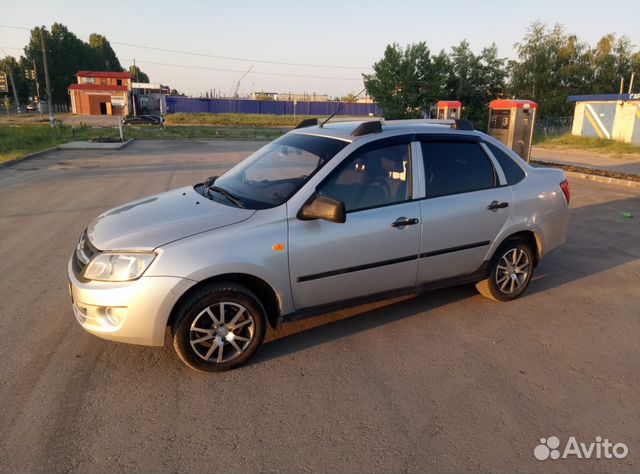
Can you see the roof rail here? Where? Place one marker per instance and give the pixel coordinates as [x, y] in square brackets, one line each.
[307, 123]
[365, 128]
[456, 124]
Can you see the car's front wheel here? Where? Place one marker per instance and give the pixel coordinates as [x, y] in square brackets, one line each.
[510, 272]
[218, 327]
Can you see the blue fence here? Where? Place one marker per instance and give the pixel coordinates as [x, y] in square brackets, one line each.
[175, 104]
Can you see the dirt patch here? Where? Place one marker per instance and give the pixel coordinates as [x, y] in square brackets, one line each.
[593, 171]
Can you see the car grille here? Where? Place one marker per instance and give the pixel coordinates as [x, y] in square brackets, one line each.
[83, 254]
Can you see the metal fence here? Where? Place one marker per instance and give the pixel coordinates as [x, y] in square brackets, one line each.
[548, 127]
[175, 104]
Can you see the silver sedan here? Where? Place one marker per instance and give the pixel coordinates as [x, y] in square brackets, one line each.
[326, 216]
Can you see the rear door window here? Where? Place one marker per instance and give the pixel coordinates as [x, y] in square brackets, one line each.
[512, 170]
[456, 167]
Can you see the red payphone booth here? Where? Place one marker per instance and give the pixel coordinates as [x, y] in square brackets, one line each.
[511, 121]
[449, 109]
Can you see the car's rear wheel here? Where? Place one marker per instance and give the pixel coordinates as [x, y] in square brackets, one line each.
[218, 327]
[510, 272]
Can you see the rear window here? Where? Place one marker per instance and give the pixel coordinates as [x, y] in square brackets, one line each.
[456, 167]
[512, 170]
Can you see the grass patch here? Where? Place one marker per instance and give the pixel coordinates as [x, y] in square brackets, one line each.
[236, 120]
[178, 132]
[17, 141]
[596, 145]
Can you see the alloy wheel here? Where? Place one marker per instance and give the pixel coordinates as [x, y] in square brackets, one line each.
[222, 332]
[512, 270]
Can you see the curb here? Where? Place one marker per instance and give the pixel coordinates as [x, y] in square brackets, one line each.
[603, 179]
[88, 145]
[35, 154]
[588, 176]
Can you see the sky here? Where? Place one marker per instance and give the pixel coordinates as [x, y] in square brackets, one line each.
[331, 42]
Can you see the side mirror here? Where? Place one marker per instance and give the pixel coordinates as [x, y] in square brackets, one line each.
[323, 207]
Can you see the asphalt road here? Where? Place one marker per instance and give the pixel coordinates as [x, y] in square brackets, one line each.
[446, 381]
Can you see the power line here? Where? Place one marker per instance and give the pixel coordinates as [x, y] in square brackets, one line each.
[215, 56]
[232, 58]
[15, 27]
[241, 70]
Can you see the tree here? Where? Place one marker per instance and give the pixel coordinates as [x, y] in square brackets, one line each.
[106, 59]
[138, 75]
[348, 97]
[475, 80]
[611, 60]
[406, 81]
[68, 54]
[551, 66]
[9, 64]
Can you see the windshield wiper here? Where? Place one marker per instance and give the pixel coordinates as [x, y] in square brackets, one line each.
[227, 194]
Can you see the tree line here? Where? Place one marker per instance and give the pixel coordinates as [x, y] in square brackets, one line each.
[66, 55]
[551, 64]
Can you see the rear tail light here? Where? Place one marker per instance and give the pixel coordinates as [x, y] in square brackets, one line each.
[565, 189]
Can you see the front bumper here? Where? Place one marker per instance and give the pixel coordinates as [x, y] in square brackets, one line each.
[135, 312]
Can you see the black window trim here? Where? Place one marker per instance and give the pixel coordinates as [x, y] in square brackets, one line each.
[487, 143]
[458, 139]
[370, 146]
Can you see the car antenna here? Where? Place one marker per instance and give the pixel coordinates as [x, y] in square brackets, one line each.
[342, 107]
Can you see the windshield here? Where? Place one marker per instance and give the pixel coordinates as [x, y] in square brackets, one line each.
[276, 171]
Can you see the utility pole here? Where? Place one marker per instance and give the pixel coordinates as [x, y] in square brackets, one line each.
[135, 68]
[13, 86]
[52, 121]
[35, 73]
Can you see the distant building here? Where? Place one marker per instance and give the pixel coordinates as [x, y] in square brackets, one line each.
[607, 116]
[101, 93]
[304, 97]
[149, 97]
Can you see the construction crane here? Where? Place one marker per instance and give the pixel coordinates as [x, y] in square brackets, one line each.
[235, 92]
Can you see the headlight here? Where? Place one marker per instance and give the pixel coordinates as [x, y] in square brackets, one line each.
[118, 266]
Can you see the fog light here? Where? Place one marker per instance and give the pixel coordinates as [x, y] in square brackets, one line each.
[114, 316]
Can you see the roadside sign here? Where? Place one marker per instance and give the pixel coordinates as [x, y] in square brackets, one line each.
[4, 86]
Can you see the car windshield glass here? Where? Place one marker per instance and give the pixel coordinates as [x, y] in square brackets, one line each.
[276, 171]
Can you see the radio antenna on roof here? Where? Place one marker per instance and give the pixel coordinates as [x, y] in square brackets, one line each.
[342, 106]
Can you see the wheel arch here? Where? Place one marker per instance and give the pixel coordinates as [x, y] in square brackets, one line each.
[530, 237]
[263, 291]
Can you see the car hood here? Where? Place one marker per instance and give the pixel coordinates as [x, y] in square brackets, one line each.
[153, 221]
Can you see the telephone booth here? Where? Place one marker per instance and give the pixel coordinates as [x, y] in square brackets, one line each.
[511, 122]
[449, 109]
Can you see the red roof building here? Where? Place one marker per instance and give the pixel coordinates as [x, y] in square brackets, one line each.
[101, 93]
[512, 103]
[449, 109]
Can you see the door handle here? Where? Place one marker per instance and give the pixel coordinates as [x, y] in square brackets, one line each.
[404, 221]
[495, 205]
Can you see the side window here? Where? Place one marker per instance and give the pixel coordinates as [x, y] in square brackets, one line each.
[511, 169]
[456, 167]
[371, 179]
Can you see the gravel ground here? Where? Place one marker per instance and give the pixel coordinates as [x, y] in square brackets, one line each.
[446, 381]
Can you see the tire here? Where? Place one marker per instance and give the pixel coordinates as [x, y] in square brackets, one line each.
[219, 327]
[501, 284]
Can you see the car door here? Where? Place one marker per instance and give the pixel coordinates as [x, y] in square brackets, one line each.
[464, 209]
[375, 250]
